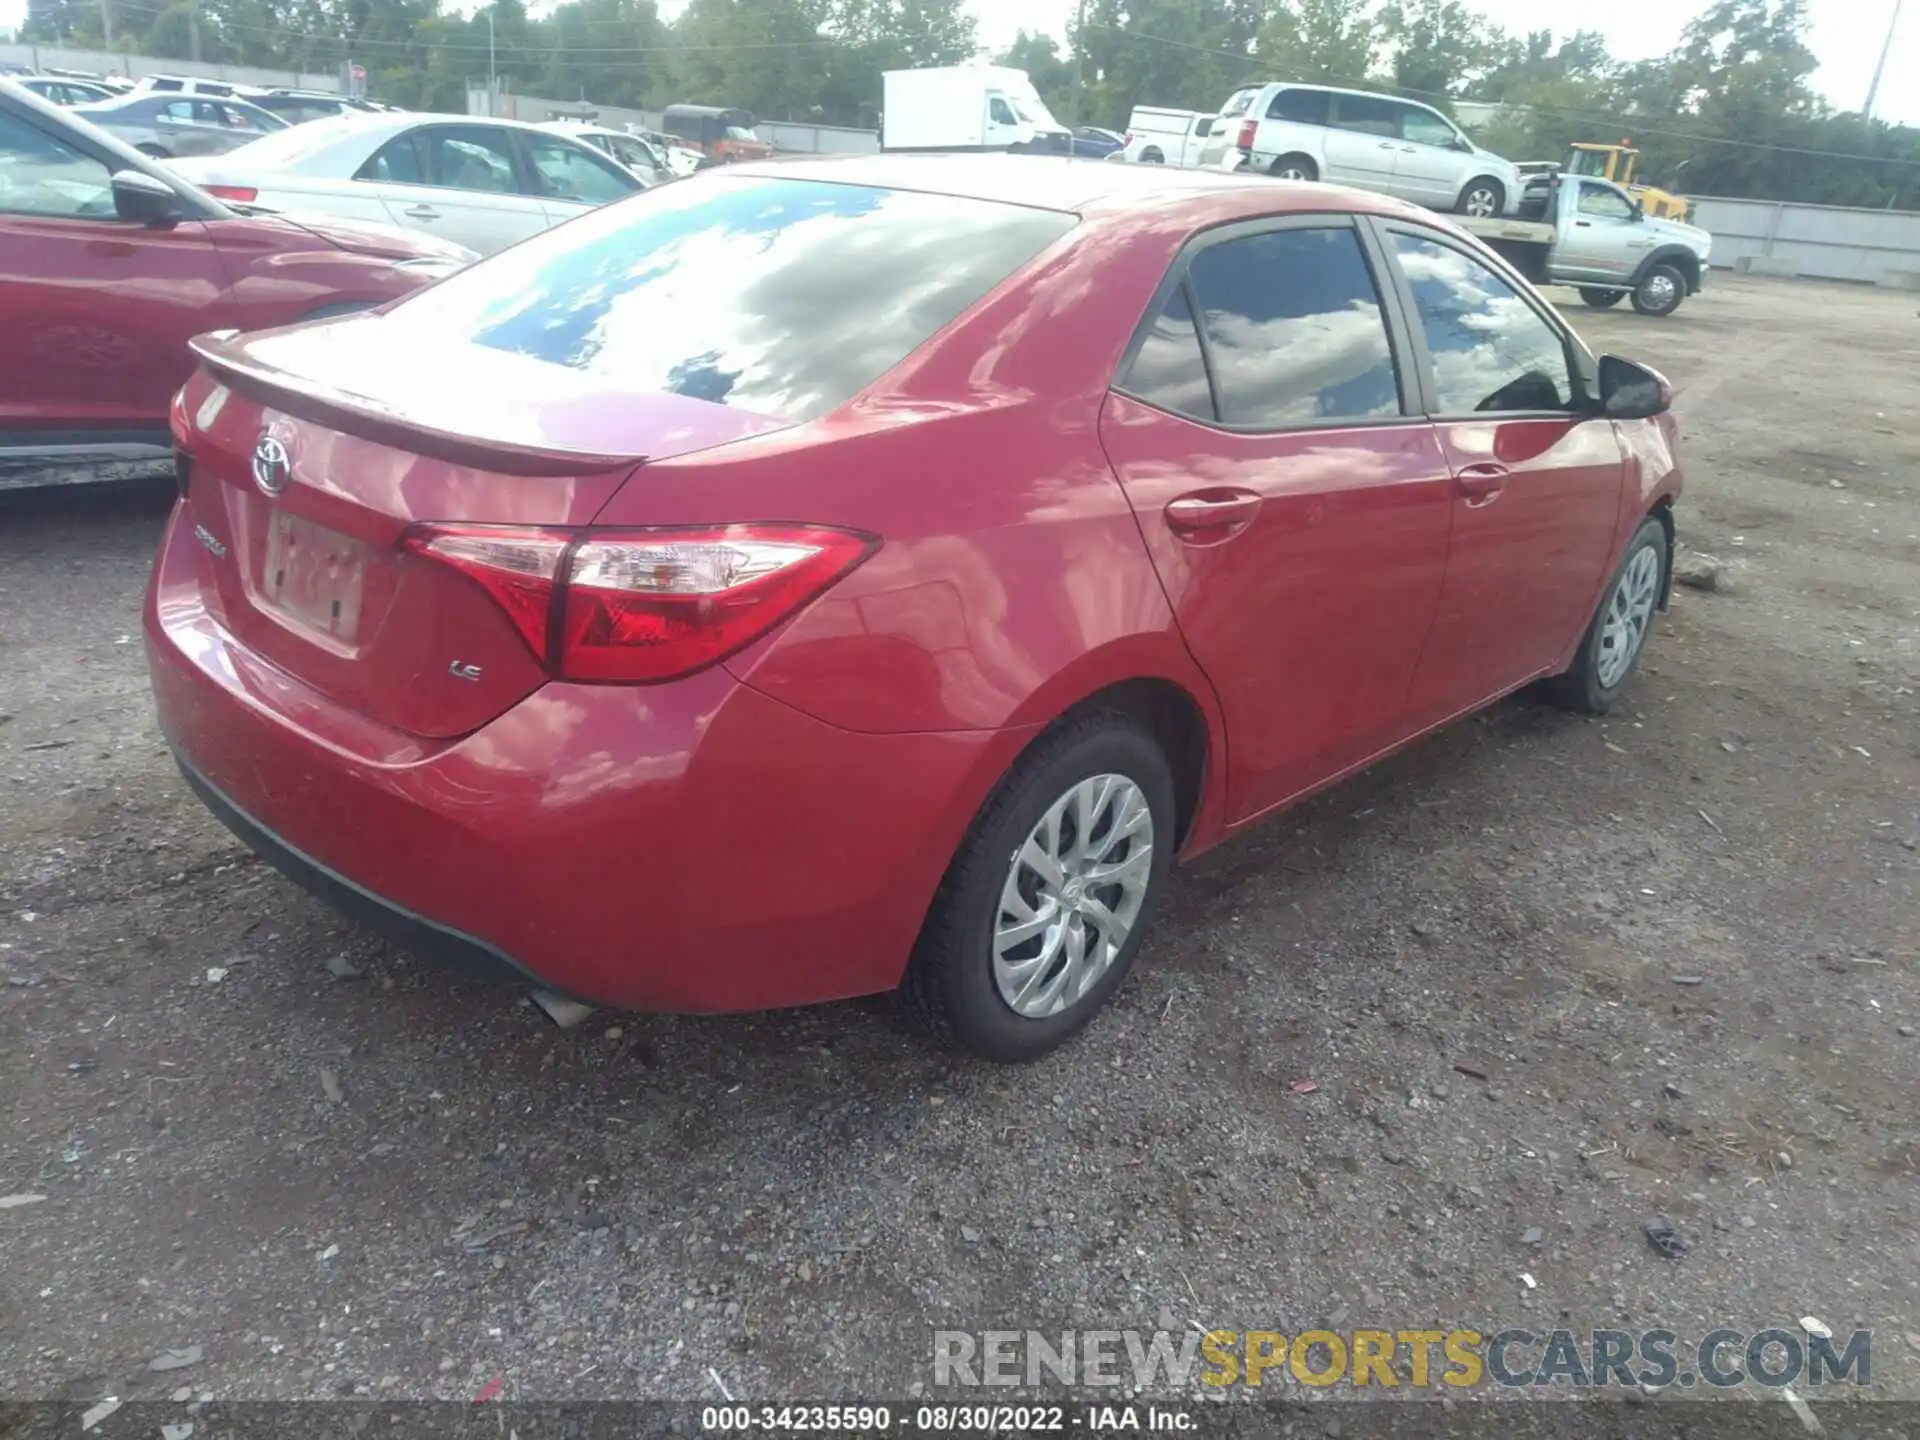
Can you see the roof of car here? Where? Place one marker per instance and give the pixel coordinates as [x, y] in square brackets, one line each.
[1082, 186]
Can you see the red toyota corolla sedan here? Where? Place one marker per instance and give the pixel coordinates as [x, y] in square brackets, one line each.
[833, 577]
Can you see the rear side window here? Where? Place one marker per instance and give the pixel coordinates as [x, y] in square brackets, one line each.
[783, 297]
[1294, 327]
[398, 161]
[1238, 102]
[1369, 114]
[1169, 370]
[1303, 107]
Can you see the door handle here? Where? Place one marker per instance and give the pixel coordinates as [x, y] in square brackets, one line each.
[1408, 150]
[1583, 224]
[1386, 145]
[422, 212]
[1481, 484]
[1211, 516]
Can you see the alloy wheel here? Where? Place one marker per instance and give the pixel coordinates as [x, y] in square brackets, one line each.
[1481, 202]
[1073, 891]
[1629, 610]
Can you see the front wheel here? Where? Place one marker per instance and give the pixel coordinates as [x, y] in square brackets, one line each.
[1482, 198]
[1660, 291]
[1611, 650]
[1601, 299]
[1041, 912]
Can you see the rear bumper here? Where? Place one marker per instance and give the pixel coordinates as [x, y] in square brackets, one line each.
[695, 846]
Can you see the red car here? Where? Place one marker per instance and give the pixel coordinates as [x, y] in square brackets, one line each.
[110, 263]
[830, 577]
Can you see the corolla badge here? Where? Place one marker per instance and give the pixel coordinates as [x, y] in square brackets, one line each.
[272, 466]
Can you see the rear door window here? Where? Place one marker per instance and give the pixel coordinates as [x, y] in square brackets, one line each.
[783, 297]
[1294, 329]
[1368, 114]
[397, 162]
[1303, 107]
[469, 157]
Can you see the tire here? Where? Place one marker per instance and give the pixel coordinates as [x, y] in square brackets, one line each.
[1601, 299]
[1597, 676]
[953, 982]
[1152, 157]
[1294, 167]
[1659, 292]
[1482, 197]
[156, 152]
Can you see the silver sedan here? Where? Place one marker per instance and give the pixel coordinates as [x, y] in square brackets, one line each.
[166, 125]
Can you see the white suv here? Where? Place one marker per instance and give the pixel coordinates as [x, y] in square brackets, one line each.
[1351, 137]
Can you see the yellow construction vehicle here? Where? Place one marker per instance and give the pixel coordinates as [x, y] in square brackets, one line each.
[1616, 163]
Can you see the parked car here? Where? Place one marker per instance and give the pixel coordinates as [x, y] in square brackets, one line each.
[1097, 144]
[113, 263]
[627, 150]
[1157, 136]
[163, 125]
[296, 107]
[483, 183]
[655, 685]
[682, 159]
[62, 91]
[186, 85]
[1354, 137]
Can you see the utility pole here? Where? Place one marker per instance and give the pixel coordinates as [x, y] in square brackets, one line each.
[1873, 90]
[106, 22]
[1078, 42]
[193, 30]
[493, 80]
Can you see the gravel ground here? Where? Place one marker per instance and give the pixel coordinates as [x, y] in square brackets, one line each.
[1551, 976]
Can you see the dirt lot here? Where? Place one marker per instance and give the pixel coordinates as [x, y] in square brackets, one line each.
[1679, 945]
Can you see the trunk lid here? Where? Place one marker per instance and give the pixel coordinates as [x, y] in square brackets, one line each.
[313, 451]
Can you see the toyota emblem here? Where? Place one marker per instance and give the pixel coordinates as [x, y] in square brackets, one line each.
[272, 466]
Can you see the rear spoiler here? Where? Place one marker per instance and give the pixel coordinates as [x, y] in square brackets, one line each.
[223, 353]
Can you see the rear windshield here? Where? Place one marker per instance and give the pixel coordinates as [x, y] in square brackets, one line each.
[1238, 102]
[783, 297]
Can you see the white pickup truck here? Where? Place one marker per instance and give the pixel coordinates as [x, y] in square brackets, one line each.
[1590, 233]
[1158, 136]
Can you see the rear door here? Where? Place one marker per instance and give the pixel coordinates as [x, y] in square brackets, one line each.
[461, 182]
[1539, 480]
[98, 310]
[1294, 502]
[1363, 143]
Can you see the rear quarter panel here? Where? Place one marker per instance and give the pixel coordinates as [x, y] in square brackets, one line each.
[1011, 580]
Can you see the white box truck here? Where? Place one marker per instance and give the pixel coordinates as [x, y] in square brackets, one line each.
[967, 107]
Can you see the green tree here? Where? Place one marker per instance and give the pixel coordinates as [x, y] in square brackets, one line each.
[1040, 57]
[1336, 42]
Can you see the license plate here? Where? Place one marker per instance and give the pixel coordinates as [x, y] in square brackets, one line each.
[314, 575]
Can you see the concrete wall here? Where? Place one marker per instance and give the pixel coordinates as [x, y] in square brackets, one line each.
[100, 62]
[785, 136]
[1822, 241]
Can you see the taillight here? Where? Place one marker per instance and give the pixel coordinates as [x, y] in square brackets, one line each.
[241, 194]
[642, 606]
[1247, 130]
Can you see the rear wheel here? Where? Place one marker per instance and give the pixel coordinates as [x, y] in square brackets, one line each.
[1482, 198]
[1611, 650]
[1041, 912]
[1294, 167]
[1601, 299]
[1152, 156]
[1660, 291]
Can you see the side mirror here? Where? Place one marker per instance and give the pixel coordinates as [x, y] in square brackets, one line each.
[1462, 144]
[1639, 212]
[1630, 391]
[152, 202]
